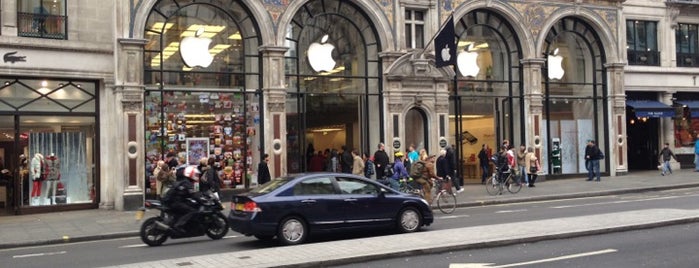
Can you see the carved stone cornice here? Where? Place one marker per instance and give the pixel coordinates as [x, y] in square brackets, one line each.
[441, 108]
[132, 101]
[395, 107]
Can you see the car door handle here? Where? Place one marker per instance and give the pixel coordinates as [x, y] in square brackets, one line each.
[350, 200]
[309, 201]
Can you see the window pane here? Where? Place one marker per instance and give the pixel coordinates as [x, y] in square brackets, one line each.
[408, 36]
[419, 36]
[419, 16]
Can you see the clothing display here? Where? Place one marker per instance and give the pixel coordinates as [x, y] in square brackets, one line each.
[36, 174]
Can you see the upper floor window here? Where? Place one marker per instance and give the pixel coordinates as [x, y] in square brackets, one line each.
[687, 45]
[642, 42]
[414, 29]
[42, 18]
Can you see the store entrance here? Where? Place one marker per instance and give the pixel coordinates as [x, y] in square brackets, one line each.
[643, 140]
[473, 122]
[416, 129]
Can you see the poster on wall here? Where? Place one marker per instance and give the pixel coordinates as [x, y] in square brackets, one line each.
[197, 148]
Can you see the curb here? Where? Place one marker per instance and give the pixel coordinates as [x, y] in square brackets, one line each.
[490, 244]
[125, 234]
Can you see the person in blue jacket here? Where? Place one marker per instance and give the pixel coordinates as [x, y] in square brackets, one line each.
[696, 154]
[399, 171]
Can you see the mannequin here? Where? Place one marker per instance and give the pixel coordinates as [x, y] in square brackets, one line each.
[35, 173]
[53, 174]
[24, 178]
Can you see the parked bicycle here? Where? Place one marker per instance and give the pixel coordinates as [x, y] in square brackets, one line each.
[496, 184]
[445, 197]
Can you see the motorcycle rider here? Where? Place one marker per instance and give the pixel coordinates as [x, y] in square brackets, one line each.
[179, 198]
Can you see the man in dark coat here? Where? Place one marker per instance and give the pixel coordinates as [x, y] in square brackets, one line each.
[263, 175]
[450, 159]
[380, 160]
[346, 160]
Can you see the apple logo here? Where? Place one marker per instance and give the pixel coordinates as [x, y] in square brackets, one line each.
[446, 56]
[467, 61]
[555, 65]
[320, 55]
[195, 50]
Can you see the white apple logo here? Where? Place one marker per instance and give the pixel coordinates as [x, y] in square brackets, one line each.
[467, 61]
[195, 50]
[555, 65]
[446, 56]
[320, 55]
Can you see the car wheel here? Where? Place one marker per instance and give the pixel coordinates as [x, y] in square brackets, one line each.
[409, 220]
[292, 231]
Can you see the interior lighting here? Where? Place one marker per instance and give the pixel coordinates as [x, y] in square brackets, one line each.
[209, 30]
[158, 27]
[235, 36]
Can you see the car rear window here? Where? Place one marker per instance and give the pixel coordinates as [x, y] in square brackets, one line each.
[272, 185]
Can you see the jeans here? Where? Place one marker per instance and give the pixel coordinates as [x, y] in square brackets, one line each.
[523, 174]
[592, 167]
[666, 167]
[394, 184]
[486, 172]
[696, 162]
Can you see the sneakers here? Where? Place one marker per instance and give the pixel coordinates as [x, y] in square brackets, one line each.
[460, 191]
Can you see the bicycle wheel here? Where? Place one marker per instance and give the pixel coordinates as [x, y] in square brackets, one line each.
[446, 202]
[513, 185]
[491, 186]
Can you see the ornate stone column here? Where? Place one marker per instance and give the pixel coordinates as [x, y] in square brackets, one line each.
[533, 98]
[617, 129]
[274, 89]
[129, 178]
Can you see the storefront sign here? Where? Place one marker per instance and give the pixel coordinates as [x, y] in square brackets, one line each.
[11, 57]
[396, 144]
[442, 142]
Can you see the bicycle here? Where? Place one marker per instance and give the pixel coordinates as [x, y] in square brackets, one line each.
[446, 199]
[495, 184]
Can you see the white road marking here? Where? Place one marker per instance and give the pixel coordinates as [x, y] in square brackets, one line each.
[39, 254]
[510, 211]
[488, 265]
[134, 246]
[452, 217]
[619, 202]
[230, 236]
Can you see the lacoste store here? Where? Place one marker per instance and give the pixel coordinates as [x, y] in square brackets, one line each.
[48, 144]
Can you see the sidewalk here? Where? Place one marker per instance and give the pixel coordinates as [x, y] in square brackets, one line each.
[73, 226]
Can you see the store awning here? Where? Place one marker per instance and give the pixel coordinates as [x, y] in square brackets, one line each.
[692, 105]
[649, 108]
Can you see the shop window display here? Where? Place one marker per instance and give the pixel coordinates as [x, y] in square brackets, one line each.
[196, 125]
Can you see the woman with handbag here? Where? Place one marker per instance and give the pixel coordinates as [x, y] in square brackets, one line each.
[532, 165]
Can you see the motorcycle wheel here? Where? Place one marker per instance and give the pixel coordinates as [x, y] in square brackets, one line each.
[150, 234]
[218, 227]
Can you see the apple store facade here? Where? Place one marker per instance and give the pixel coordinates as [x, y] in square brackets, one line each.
[237, 79]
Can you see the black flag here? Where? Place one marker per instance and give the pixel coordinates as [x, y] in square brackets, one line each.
[445, 45]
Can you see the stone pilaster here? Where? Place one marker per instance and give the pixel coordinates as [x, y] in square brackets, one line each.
[617, 120]
[533, 98]
[128, 93]
[274, 88]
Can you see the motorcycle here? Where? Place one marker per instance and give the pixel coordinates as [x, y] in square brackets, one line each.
[208, 220]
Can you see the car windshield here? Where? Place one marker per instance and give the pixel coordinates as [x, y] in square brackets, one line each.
[272, 185]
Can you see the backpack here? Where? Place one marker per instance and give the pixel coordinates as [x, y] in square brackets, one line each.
[600, 154]
[388, 171]
[416, 169]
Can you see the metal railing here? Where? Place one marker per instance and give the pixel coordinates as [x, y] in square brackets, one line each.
[687, 59]
[42, 25]
[649, 58]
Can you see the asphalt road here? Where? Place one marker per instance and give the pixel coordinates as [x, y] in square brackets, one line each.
[671, 246]
[131, 250]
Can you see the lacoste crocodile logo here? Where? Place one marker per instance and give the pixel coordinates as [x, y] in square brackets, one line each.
[10, 57]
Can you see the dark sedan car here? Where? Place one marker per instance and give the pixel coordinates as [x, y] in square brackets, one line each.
[297, 205]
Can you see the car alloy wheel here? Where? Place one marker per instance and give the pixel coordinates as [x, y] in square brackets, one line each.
[409, 220]
[292, 231]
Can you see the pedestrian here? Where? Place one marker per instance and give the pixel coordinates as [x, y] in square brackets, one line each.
[399, 171]
[333, 163]
[317, 162]
[484, 159]
[665, 155]
[263, 175]
[592, 157]
[380, 160]
[357, 163]
[450, 157]
[369, 168]
[521, 164]
[428, 173]
[413, 156]
[532, 165]
[696, 154]
[345, 160]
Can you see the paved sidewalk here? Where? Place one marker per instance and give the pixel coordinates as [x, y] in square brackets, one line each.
[60, 227]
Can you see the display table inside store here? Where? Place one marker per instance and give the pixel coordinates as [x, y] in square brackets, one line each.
[3, 196]
[470, 170]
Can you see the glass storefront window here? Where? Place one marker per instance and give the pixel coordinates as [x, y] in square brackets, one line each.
[196, 125]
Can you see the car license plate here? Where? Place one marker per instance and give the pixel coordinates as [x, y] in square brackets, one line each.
[139, 214]
[239, 207]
